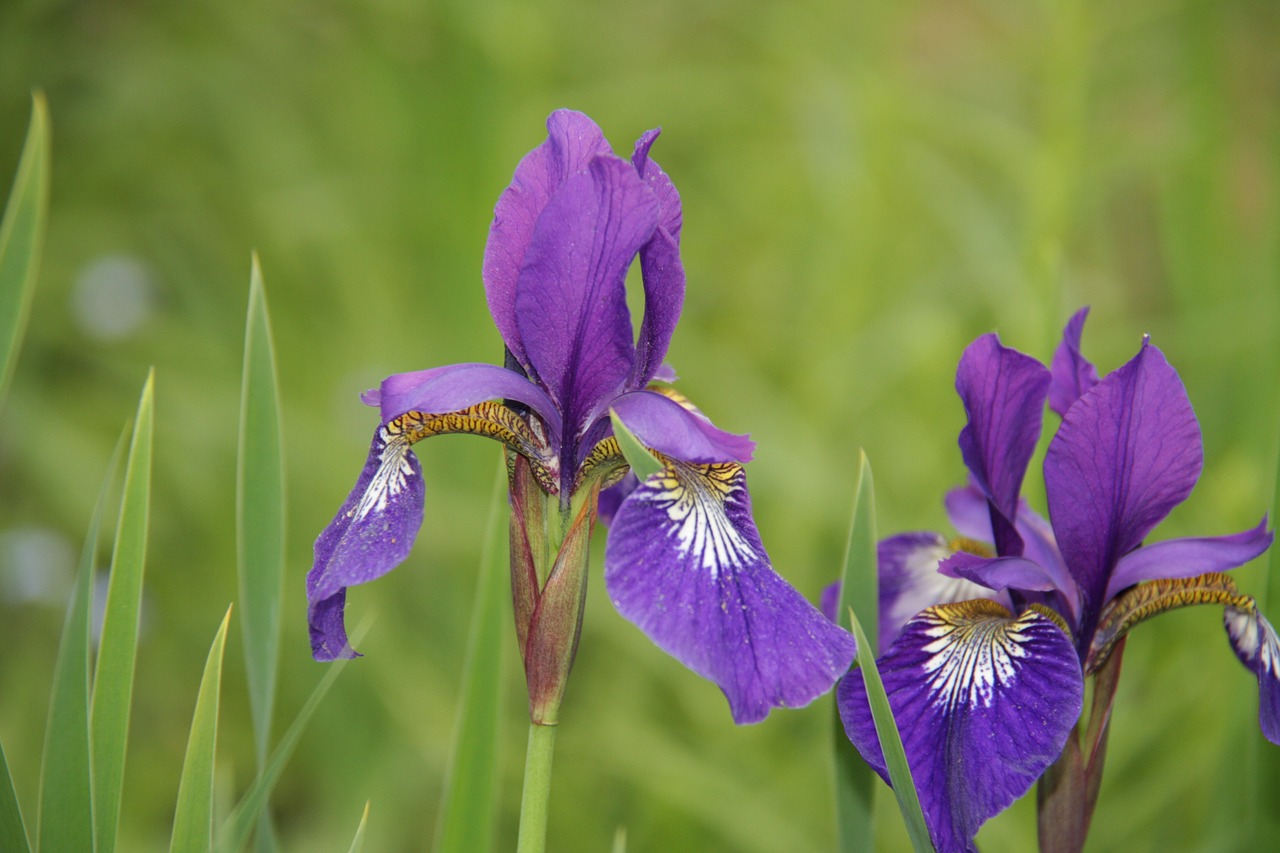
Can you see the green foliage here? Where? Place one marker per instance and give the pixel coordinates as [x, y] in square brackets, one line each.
[260, 512]
[357, 843]
[470, 794]
[193, 817]
[895, 758]
[13, 832]
[118, 648]
[66, 786]
[855, 781]
[643, 463]
[21, 234]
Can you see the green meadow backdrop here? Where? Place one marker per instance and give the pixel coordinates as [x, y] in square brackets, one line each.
[867, 187]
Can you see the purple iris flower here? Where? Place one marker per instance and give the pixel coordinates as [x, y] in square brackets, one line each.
[985, 647]
[684, 559]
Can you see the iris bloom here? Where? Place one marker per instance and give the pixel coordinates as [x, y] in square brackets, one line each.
[988, 680]
[683, 560]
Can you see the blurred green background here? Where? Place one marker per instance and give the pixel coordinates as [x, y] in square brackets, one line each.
[867, 187]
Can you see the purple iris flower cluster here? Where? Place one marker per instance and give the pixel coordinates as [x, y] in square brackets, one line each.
[986, 639]
[684, 560]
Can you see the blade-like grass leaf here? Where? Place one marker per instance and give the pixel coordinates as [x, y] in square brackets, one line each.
[468, 801]
[357, 843]
[117, 650]
[66, 788]
[234, 831]
[13, 832]
[643, 463]
[21, 234]
[855, 781]
[193, 816]
[260, 513]
[895, 758]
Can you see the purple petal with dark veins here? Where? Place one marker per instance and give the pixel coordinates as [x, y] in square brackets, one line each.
[371, 535]
[1003, 393]
[1126, 454]
[1073, 374]
[984, 703]
[907, 565]
[1256, 644]
[684, 562]
[571, 306]
[573, 140]
[667, 427]
[455, 387]
[671, 218]
[1186, 558]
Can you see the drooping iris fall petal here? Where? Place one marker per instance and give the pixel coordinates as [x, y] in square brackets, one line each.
[684, 562]
[984, 702]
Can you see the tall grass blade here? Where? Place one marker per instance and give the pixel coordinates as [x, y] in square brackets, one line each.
[235, 830]
[468, 802]
[117, 650]
[13, 832]
[260, 513]
[357, 843]
[855, 781]
[895, 758]
[66, 788]
[193, 816]
[260, 524]
[21, 235]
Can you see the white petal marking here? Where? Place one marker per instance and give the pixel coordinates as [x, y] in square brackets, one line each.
[390, 478]
[969, 657]
[694, 499]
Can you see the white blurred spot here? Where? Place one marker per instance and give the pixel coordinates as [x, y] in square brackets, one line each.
[36, 566]
[112, 297]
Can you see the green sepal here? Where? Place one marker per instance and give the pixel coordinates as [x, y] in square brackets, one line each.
[643, 463]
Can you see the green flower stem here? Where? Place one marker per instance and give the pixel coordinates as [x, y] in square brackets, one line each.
[537, 789]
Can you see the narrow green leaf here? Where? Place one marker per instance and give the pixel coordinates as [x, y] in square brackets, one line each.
[13, 832]
[643, 463]
[855, 782]
[117, 650]
[66, 789]
[21, 235]
[620, 840]
[260, 513]
[193, 816]
[895, 758]
[468, 801]
[235, 830]
[357, 843]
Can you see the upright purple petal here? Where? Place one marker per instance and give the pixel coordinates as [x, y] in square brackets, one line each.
[571, 306]
[1003, 393]
[667, 427]
[1126, 454]
[573, 140]
[661, 269]
[984, 703]
[1186, 558]
[371, 534]
[907, 565]
[684, 562]
[1256, 644]
[1073, 374]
